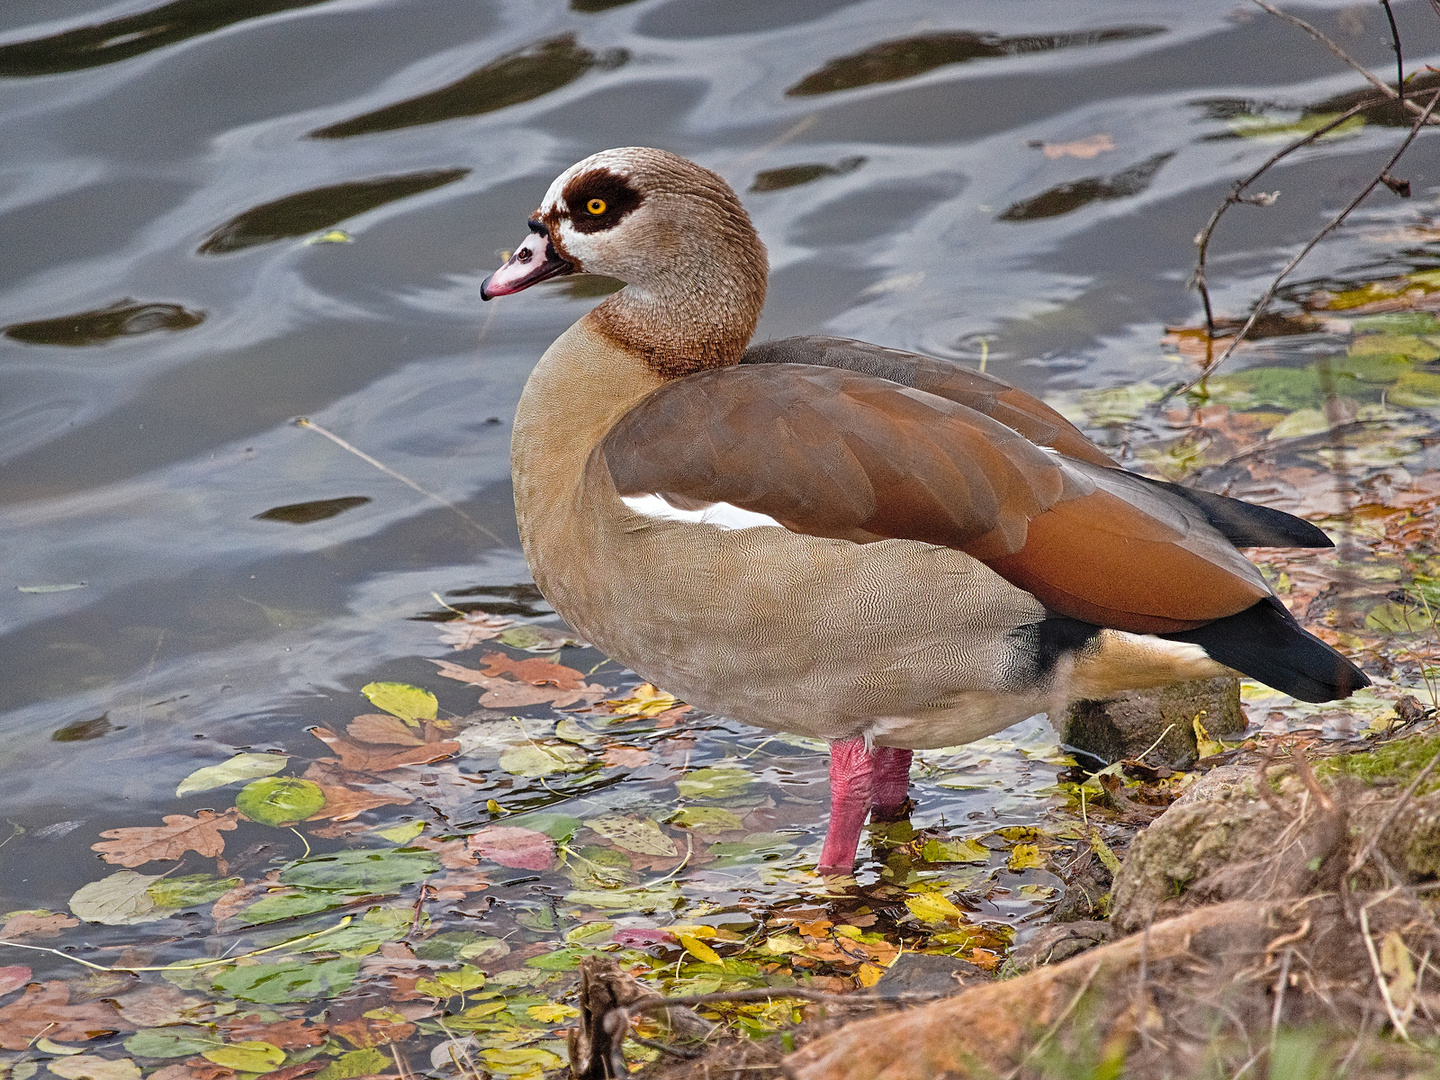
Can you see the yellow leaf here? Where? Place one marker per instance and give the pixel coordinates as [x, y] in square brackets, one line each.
[698, 949]
[551, 1014]
[781, 944]
[1205, 746]
[1396, 964]
[869, 974]
[647, 700]
[409, 703]
[257, 1057]
[485, 1008]
[933, 908]
[1025, 857]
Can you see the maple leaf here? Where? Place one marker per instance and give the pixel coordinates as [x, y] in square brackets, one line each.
[383, 729]
[45, 1009]
[148, 843]
[510, 845]
[286, 1034]
[538, 682]
[36, 924]
[347, 796]
[362, 757]
[472, 629]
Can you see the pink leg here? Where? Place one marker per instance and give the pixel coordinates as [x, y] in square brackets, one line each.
[891, 782]
[851, 790]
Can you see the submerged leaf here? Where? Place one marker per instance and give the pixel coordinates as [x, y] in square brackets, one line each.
[533, 759]
[510, 845]
[254, 1057]
[636, 834]
[362, 871]
[289, 980]
[240, 767]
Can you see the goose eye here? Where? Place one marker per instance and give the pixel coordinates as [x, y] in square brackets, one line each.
[595, 207]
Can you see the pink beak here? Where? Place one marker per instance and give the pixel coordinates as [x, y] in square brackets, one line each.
[534, 261]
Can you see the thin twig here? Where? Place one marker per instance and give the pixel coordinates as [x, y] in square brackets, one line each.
[1395, 44]
[1373, 80]
[1330, 227]
[306, 422]
[1395, 1020]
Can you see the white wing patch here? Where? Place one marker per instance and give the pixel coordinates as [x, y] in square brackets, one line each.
[721, 515]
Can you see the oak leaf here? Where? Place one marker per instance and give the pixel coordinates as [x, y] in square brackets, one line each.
[45, 1009]
[148, 843]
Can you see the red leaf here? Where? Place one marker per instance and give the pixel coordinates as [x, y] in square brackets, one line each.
[510, 845]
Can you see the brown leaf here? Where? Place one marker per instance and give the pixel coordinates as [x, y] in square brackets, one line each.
[348, 795]
[473, 628]
[12, 978]
[179, 834]
[384, 729]
[365, 758]
[627, 757]
[45, 1009]
[510, 845]
[367, 1031]
[158, 1005]
[286, 1034]
[1086, 148]
[556, 685]
[27, 922]
[454, 854]
[238, 898]
[200, 1069]
[294, 1072]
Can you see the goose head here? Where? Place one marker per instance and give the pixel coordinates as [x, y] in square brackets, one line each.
[674, 232]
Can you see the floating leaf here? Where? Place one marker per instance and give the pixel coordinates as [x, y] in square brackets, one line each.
[448, 984]
[280, 800]
[290, 980]
[288, 905]
[45, 1010]
[646, 700]
[534, 759]
[240, 767]
[552, 1013]
[964, 850]
[409, 703]
[382, 729]
[513, 846]
[637, 834]
[362, 871]
[121, 899]
[169, 1042]
[698, 949]
[255, 1057]
[709, 819]
[152, 843]
[191, 890]
[526, 1059]
[640, 899]
[711, 783]
[94, 1067]
[12, 978]
[367, 1062]
[401, 834]
[933, 908]
[1026, 857]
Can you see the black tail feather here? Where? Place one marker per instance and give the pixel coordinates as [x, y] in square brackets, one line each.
[1266, 643]
[1247, 525]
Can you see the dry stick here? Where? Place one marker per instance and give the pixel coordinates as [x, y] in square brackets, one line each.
[1395, 1020]
[306, 422]
[1395, 44]
[1330, 227]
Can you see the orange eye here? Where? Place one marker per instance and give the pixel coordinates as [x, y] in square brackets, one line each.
[596, 206]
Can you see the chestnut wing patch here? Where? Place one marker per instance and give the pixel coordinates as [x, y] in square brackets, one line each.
[831, 452]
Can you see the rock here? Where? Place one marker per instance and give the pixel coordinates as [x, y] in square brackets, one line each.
[926, 975]
[1129, 724]
[1053, 944]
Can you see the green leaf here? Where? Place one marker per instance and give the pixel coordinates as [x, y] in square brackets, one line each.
[240, 767]
[1399, 322]
[288, 905]
[251, 1056]
[410, 703]
[365, 935]
[708, 818]
[526, 1059]
[556, 826]
[1416, 390]
[280, 800]
[376, 871]
[719, 783]
[531, 759]
[368, 1062]
[170, 1042]
[638, 899]
[122, 899]
[966, 850]
[403, 833]
[1258, 127]
[1283, 388]
[637, 834]
[448, 984]
[190, 890]
[290, 980]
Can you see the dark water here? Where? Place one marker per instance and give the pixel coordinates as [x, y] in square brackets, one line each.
[165, 173]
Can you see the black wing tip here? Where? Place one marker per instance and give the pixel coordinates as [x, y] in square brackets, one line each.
[1266, 643]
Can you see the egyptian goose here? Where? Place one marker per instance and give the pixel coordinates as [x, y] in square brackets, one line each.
[878, 548]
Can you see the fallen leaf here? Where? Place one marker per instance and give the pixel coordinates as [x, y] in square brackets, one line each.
[410, 703]
[158, 1005]
[698, 949]
[933, 908]
[280, 800]
[383, 729]
[12, 978]
[94, 1067]
[533, 759]
[1026, 857]
[473, 628]
[367, 1032]
[346, 794]
[507, 693]
[151, 843]
[45, 1009]
[627, 757]
[454, 854]
[1086, 148]
[636, 834]
[240, 767]
[551, 1013]
[645, 700]
[36, 924]
[121, 899]
[252, 1057]
[287, 1034]
[965, 849]
[510, 845]
[366, 758]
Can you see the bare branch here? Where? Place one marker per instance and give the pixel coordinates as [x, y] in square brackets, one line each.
[1395, 45]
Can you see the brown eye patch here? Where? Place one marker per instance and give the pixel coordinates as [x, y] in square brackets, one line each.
[599, 199]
